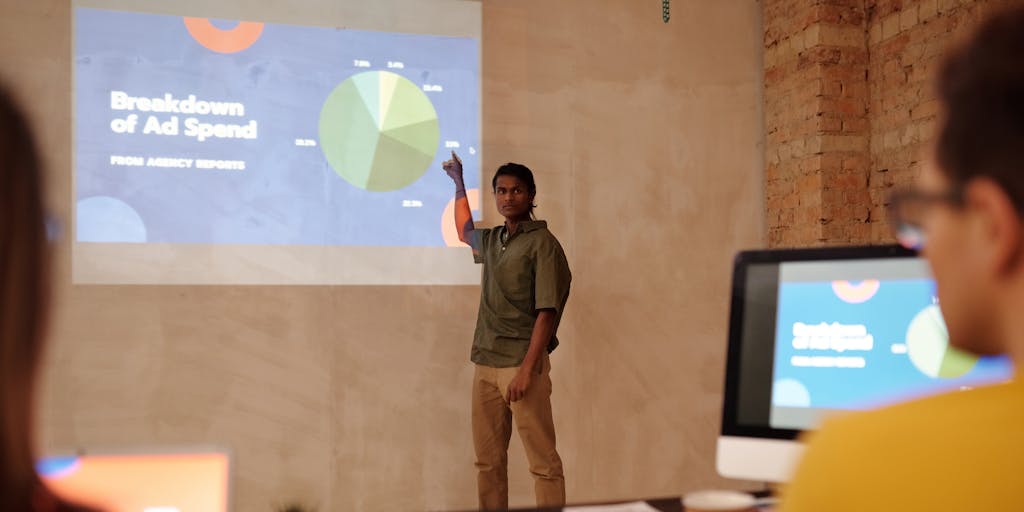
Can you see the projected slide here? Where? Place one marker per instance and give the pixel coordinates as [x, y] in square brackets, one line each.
[141, 483]
[843, 345]
[198, 131]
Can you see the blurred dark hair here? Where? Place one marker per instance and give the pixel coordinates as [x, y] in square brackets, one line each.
[518, 171]
[981, 88]
[23, 290]
[24, 303]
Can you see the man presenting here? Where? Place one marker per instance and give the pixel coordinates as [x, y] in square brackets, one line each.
[525, 285]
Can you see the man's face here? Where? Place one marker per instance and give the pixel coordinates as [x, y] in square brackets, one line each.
[512, 197]
[954, 251]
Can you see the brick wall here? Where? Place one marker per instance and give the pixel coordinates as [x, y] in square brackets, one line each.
[816, 101]
[906, 41]
[849, 109]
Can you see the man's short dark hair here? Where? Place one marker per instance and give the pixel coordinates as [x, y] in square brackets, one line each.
[981, 88]
[519, 171]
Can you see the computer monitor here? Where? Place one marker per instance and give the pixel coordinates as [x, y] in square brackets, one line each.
[150, 480]
[815, 332]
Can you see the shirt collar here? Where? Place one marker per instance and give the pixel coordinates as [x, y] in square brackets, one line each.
[529, 225]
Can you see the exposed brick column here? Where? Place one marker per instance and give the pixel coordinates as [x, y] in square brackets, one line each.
[818, 134]
[907, 39]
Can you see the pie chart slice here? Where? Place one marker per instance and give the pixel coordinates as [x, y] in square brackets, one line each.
[418, 136]
[929, 350]
[407, 107]
[348, 134]
[388, 82]
[392, 157]
[368, 85]
[378, 131]
[956, 363]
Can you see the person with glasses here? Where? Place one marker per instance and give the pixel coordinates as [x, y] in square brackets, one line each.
[525, 286]
[963, 450]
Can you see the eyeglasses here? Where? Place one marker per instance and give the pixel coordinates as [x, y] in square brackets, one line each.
[908, 209]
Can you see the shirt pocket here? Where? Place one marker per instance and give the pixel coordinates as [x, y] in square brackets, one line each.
[514, 277]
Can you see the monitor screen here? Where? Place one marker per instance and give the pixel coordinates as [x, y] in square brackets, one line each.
[142, 482]
[815, 332]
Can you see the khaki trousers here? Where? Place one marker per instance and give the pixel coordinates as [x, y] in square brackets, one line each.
[492, 429]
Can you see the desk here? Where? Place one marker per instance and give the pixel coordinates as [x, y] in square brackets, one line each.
[662, 504]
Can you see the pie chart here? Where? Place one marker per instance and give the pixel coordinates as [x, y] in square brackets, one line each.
[929, 350]
[378, 131]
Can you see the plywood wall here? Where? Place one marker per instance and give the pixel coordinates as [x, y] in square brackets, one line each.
[647, 143]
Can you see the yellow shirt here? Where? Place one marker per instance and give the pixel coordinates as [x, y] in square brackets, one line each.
[956, 452]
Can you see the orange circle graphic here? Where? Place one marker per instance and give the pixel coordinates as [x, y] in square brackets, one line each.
[856, 293]
[451, 236]
[224, 41]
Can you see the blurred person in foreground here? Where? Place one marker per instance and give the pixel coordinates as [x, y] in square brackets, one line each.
[962, 450]
[24, 300]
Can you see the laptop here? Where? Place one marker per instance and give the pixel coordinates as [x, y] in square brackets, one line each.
[153, 480]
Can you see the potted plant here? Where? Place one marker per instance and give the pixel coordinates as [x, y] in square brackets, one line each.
[294, 507]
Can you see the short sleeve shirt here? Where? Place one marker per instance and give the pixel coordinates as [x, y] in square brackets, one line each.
[523, 272]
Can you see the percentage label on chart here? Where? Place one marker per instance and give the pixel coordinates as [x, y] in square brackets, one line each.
[451, 144]
[306, 143]
[394, 64]
[360, 63]
[432, 88]
[412, 203]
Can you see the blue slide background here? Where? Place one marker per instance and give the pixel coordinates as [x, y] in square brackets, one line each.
[886, 377]
[287, 194]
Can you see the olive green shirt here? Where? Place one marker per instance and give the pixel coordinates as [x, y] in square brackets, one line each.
[522, 273]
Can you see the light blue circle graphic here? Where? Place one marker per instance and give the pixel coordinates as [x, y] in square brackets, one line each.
[106, 219]
[790, 393]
